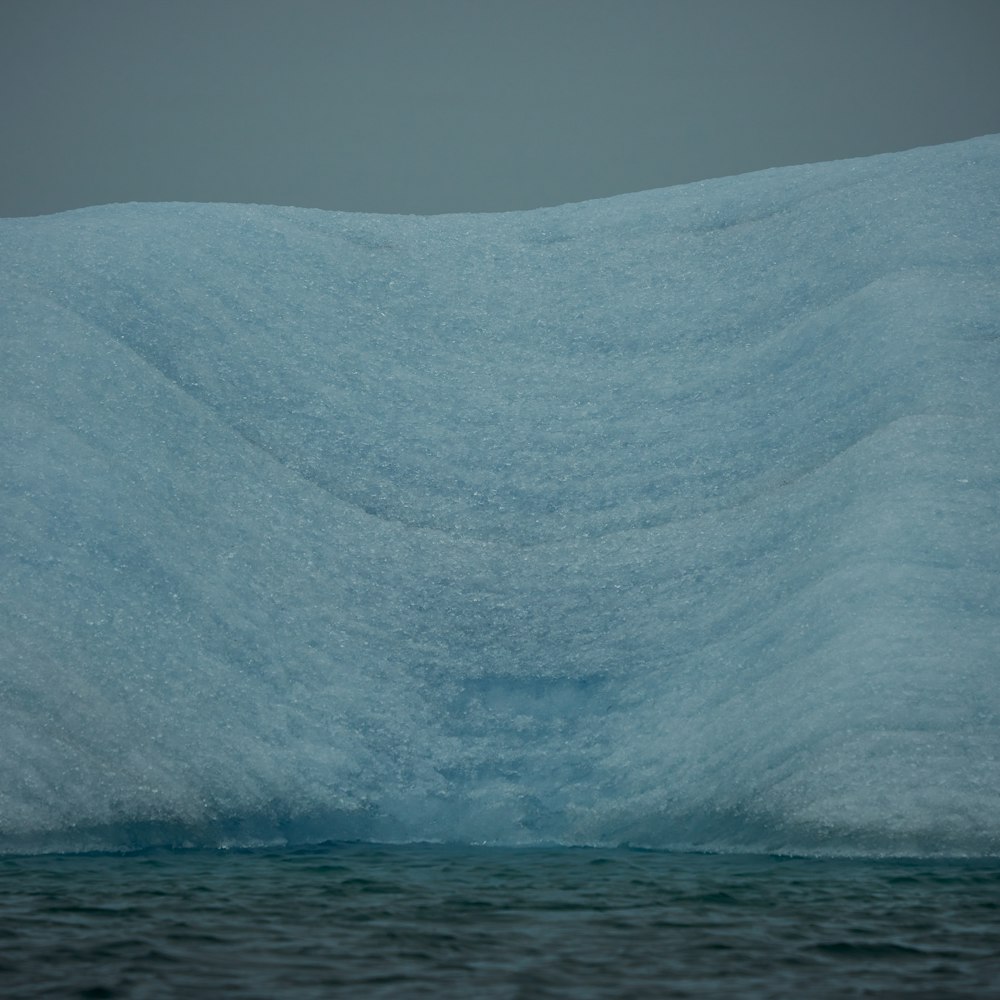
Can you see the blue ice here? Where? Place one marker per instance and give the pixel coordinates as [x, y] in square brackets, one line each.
[669, 519]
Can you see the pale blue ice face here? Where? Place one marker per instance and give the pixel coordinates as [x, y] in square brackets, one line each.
[668, 519]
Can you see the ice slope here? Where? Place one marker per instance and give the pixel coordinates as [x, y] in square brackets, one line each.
[669, 519]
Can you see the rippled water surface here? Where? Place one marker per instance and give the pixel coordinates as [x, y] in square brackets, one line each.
[376, 921]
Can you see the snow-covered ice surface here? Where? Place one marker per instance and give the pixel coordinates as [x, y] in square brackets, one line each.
[669, 519]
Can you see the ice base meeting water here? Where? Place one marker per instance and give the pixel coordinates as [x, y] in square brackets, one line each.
[667, 520]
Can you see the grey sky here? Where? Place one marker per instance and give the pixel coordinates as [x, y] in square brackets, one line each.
[468, 105]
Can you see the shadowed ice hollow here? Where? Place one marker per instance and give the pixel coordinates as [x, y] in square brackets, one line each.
[669, 519]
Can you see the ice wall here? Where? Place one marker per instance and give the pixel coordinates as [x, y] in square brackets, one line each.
[669, 519]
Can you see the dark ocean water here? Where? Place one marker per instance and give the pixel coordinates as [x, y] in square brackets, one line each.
[375, 921]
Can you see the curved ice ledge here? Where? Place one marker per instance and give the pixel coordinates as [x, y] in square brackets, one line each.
[669, 519]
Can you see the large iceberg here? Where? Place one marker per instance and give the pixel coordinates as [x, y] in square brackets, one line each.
[669, 519]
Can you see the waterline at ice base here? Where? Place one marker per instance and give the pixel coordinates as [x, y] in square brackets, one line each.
[670, 520]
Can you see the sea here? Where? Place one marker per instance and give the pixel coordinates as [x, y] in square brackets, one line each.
[431, 920]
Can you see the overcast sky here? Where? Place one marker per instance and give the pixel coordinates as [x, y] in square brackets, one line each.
[468, 105]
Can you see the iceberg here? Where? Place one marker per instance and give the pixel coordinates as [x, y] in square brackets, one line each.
[670, 519]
